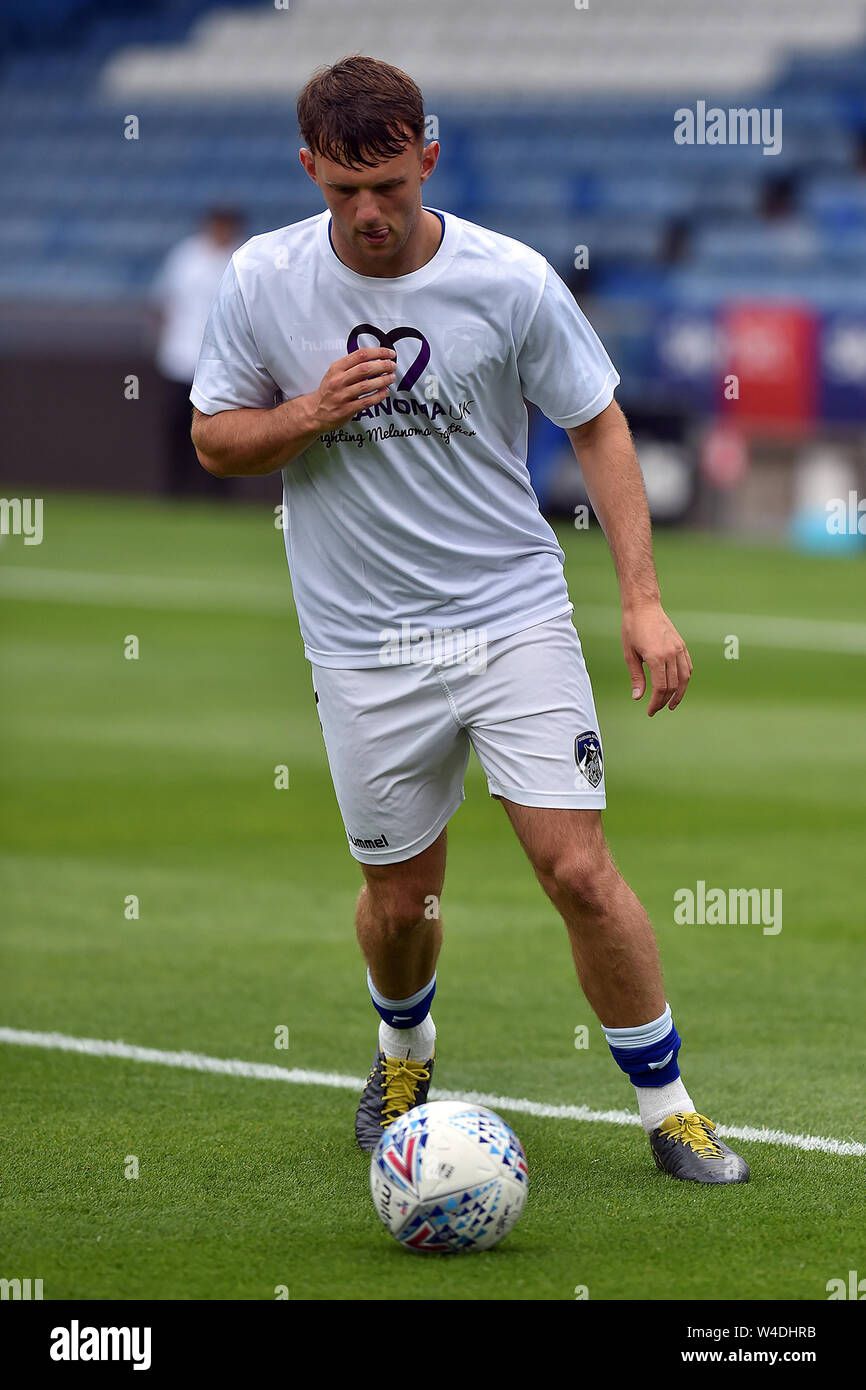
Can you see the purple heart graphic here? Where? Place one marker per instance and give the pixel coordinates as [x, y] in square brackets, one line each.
[390, 339]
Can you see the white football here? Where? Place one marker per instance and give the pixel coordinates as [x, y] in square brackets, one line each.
[449, 1176]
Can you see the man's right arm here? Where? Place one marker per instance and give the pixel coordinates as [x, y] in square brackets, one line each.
[248, 443]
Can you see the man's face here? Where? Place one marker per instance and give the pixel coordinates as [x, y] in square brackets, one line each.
[224, 231]
[374, 210]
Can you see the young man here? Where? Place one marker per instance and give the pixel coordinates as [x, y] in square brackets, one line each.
[379, 354]
[181, 297]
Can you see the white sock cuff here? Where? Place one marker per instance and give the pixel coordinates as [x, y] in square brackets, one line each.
[399, 1003]
[644, 1035]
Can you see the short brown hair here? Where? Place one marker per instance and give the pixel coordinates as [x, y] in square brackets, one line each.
[355, 111]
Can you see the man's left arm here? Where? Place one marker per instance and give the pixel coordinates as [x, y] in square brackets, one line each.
[604, 449]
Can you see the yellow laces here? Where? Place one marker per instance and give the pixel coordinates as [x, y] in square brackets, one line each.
[692, 1130]
[402, 1079]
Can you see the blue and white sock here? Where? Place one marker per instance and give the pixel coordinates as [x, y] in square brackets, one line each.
[648, 1056]
[406, 1029]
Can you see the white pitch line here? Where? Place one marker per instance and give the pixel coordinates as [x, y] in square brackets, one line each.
[29, 584]
[267, 1071]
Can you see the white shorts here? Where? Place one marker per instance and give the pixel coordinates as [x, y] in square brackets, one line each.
[398, 737]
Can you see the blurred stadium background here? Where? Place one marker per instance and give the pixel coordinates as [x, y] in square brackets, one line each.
[152, 780]
[557, 127]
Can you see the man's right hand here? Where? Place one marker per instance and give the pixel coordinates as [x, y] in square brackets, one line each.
[351, 384]
[251, 442]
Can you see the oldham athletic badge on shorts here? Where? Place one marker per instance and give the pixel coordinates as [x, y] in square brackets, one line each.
[587, 755]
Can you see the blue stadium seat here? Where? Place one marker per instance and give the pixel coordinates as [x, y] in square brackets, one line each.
[92, 214]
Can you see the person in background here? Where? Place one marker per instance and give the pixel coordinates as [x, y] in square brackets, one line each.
[183, 292]
[788, 236]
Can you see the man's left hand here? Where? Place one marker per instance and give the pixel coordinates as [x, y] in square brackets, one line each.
[649, 636]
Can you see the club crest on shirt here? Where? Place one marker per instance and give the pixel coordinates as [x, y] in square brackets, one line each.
[587, 755]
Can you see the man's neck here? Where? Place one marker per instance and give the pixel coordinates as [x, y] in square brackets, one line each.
[420, 248]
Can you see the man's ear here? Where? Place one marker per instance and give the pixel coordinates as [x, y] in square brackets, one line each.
[309, 163]
[429, 159]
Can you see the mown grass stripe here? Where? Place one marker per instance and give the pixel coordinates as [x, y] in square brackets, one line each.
[222, 596]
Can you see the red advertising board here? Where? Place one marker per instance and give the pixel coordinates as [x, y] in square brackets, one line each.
[772, 351]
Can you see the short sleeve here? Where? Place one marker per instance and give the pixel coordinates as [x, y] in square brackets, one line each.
[230, 374]
[564, 369]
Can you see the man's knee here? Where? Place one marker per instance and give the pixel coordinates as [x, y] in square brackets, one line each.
[400, 902]
[581, 878]
[404, 895]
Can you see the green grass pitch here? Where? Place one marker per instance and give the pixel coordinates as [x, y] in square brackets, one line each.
[155, 778]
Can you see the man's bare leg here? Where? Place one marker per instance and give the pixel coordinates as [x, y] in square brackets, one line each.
[617, 963]
[398, 922]
[610, 935]
[399, 928]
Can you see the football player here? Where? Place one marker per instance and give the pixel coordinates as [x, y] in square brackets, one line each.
[380, 354]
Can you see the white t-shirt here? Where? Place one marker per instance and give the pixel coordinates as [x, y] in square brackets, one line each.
[419, 511]
[184, 290]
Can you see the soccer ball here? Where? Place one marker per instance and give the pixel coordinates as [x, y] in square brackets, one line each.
[449, 1176]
